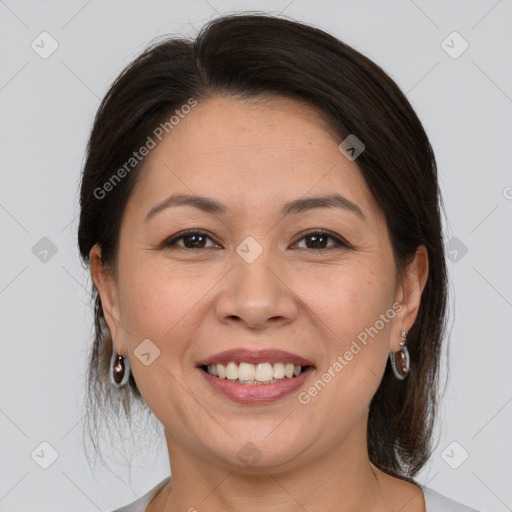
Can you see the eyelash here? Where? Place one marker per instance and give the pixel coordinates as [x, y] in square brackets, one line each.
[339, 242]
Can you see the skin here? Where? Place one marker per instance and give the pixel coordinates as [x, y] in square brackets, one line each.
[193, 303]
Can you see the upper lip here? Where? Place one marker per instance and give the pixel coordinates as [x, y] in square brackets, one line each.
[241, 355]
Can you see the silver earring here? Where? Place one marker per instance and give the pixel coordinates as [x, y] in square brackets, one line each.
[119, 371]
[402, 369]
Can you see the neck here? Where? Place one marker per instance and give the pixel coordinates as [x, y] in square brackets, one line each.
[343, 480]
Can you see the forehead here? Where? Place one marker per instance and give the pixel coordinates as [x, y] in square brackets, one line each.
[251, 151]
[265, 129]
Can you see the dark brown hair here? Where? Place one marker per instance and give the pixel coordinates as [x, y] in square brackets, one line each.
[257, 55]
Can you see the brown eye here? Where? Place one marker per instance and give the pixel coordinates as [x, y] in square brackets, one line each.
[191, 240]
[319, 239]
[315, 240]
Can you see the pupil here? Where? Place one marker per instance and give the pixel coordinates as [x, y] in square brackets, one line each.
[316, 237]
[316, 240]
[194, 238]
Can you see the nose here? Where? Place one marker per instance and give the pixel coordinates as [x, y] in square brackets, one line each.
[256, 294]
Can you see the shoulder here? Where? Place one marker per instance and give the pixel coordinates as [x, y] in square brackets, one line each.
[140, 504]
[436, 502]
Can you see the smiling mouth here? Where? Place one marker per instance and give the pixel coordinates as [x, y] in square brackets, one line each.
[255, 374]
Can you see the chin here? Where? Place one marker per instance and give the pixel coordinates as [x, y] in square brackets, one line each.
[258, 449]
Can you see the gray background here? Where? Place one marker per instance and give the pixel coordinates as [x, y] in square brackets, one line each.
[47, 107]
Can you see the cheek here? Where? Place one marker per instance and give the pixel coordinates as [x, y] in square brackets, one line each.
[159, 303]
[355, 341]
[355, 317]
[351, 299]
[163, 308]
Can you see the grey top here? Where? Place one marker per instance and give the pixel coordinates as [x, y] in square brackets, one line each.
[434, 501]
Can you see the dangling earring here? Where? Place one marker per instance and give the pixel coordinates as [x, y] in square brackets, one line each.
[402, 369]
[119, 372]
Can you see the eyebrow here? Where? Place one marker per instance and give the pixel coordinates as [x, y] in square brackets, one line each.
[209, 205]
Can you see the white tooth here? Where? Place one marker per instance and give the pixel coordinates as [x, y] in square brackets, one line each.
[288, 370]
[264, 372]
[232, 371]
[213, 370]
[278, 370]
[296, 371]
[221, 370]
[246, 371]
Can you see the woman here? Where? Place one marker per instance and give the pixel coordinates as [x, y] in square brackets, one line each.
[261, 215]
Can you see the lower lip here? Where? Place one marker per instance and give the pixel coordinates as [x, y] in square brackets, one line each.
[258, 393]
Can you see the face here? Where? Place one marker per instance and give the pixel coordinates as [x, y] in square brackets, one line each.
[256, 276]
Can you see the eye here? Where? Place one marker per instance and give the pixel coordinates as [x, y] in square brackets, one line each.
[192, 239]
[319, 238]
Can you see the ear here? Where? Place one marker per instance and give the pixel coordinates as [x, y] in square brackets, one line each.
[409, 296]
[107, 289]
